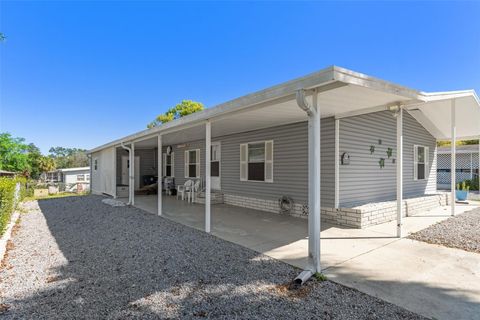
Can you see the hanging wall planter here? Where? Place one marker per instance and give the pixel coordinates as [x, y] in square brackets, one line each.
[389, 152]
[372, 149]
[381, 162]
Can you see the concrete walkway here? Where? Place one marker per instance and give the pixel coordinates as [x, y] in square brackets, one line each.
[431, 280]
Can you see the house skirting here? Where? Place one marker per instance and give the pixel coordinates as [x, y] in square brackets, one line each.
[299, 210]
[380, 212]
[357, 217]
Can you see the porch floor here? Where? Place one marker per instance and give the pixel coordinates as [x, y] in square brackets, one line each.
[285, 237]
[405, 272]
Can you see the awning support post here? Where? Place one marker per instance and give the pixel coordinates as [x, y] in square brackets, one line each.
[453, 165]
[400, 173]
[159, 175]
[337, 163]
[131, 187]
[208, 144]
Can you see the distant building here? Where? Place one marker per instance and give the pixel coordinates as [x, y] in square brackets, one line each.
[466, 164]
[4, 173]
[73, 178]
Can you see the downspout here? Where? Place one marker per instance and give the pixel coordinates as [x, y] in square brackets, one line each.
[303, 104]
[129, 171]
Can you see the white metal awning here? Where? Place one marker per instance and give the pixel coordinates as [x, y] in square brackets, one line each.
[342, 93]
[436, 116]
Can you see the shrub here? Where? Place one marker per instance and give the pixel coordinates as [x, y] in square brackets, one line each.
[7, 198]
[471, 184]
[7, 201]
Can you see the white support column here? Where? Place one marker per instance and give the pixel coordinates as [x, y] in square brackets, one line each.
[453, 164]
[115, 164]
[208, 144]
[400, 173]
[159, 175]
[337, 163]
[131, 187]
[478, 167]
[314, 186]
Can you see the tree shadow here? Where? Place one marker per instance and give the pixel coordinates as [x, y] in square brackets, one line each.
[125, 263]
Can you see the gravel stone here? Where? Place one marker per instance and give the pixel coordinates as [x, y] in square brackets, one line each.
[78, 258]
[461, 232]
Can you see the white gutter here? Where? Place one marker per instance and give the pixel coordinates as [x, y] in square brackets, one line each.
[130, 173]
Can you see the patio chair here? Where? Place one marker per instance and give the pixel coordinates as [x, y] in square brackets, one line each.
[193, 191]
[186, 188]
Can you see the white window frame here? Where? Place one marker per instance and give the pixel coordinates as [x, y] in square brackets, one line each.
[82, 179]
[415, 162]
[268, 174]
[187, 163]
[87, 177]
[172, 165]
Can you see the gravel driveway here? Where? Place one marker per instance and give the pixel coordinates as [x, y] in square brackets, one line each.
[461, 232]
[80, 258]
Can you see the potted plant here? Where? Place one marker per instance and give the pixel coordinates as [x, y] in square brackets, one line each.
[462, 191]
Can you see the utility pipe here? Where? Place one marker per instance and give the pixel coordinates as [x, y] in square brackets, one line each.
[129, 171]
[313, 114]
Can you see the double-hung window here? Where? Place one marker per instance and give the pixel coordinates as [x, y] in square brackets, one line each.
[256, 161]
[192, 163]
[420, 162]
[168, 164]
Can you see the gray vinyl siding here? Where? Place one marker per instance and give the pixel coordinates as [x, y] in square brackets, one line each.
[290, 162]
[362, 181]
[327, 168]
[179, 159]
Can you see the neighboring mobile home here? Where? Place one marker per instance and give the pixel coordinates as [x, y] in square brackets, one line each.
[74, 179]
[327, 143]
[466, 164]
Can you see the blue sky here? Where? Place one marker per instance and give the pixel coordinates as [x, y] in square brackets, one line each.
[79, 74]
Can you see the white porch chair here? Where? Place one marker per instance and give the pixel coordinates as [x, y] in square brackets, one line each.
[185, 188]
[194, 190]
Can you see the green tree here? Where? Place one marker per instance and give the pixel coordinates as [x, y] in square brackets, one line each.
[13, 154]
[69, 157]
[182, 109]
[446, 143]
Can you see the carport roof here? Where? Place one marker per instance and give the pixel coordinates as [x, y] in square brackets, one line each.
[342, 93]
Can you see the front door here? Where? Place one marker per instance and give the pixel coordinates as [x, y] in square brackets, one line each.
[215, 165]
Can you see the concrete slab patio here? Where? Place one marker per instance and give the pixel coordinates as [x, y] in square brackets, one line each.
[430, 280]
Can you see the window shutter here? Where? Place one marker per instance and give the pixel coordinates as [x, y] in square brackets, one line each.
[427, 161]
[164, 164]
[186, 164]
[172, 164]
[243, 162]
[197, 157]
[415, 162]
[269, 161]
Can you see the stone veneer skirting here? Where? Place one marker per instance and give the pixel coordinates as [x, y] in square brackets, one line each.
[299, 210]
[357, 217]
